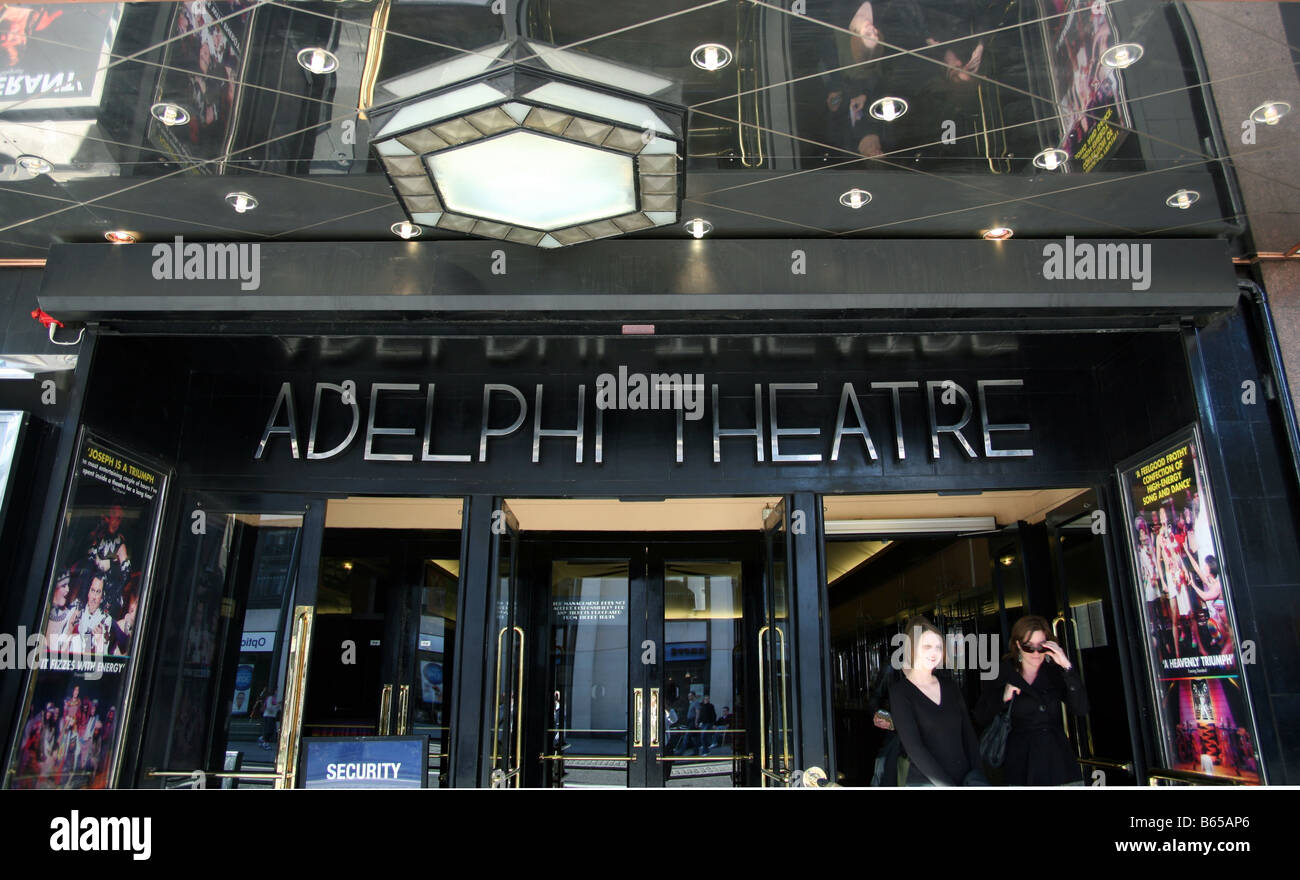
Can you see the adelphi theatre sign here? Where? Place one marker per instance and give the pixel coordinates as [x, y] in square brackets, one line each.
[432, 430]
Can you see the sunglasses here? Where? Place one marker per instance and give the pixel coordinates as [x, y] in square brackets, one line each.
[1030, 649]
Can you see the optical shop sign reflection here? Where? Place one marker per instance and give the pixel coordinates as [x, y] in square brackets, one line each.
[828, 416]
[366, 762]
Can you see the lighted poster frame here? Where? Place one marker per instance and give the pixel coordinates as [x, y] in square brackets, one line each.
[106, 552]
[1204, 721]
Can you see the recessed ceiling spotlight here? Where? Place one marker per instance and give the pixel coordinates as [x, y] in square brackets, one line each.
[1270, 112]
[241, 201]
[855, 198]
[1122, 55]
[121, 236]
[698, 228]
[34, 165]
[406, 230]
[1051, 159]
[998, 233]
[711, 56]
[317, 60]
[1183, 199]
[888, 108]
[169, 114]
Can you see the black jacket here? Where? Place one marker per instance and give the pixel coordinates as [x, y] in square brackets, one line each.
[1038, 752]
[939, 739]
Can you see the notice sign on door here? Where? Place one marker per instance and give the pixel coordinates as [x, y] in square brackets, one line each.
[366, 762]
[589, 610]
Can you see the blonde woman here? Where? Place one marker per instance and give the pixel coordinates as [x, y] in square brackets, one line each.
[930, 715]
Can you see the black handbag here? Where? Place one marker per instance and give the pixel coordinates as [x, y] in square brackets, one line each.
[993, 744]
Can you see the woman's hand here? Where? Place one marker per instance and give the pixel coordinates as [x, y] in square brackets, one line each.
[870, 146]
[1009, 691]
[1057, 655]
[959, 71]
[883, 721]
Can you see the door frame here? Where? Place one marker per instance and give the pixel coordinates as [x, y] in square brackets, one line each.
[179, 523]
[407, 548]
[646, 554]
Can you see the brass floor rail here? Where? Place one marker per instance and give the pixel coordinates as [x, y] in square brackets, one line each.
[714, 758]
[211, 773]
[1193, 778]
[1126, 766]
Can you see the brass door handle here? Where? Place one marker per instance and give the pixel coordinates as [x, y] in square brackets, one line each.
[496, 713]
[286, 756]
[386, 710]
[786, 757]
[510, 773]
[654, 718]
[638, 706]
[403, 704]
[519, 716]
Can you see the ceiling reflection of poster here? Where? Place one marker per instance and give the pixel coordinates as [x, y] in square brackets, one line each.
[79, 683]
[1203, 710]
[55, 54]
[1089, 95]
[203, 74]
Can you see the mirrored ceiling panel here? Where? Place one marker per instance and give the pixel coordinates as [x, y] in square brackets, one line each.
[945, 117]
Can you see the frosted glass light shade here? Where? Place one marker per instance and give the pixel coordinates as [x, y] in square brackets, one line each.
[498, 179]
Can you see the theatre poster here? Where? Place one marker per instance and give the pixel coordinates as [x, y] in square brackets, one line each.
[79, 662]
[1188, 629]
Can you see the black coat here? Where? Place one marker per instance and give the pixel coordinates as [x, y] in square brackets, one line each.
[939, 739]
[1038, 752]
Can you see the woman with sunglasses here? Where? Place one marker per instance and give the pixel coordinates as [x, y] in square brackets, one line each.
[1039, 679]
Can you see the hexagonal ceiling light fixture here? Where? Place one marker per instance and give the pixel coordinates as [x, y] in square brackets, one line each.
[527, 143]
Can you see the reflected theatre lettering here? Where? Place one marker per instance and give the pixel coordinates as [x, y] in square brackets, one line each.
[832, 418]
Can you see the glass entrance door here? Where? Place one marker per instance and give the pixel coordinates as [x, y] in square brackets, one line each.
[505, 728]
[775, 720]
[1085, 626]
[648, 679]
[226, 693]
[708, 685]
[385, 630]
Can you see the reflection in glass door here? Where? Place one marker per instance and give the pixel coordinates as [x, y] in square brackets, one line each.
[385, 630]
[704, 675]
[591, 739]
[224, 695]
